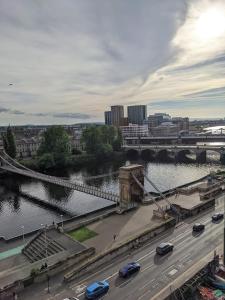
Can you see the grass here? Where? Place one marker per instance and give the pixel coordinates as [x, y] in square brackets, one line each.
[82, 234]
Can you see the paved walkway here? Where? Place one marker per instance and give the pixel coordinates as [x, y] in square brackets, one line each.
[118, 228]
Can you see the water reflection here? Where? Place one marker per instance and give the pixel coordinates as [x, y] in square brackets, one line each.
[16, 211]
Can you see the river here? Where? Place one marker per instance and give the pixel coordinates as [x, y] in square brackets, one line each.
[15, 211]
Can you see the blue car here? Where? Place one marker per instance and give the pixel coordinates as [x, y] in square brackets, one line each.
[129, 269]
[97, 289]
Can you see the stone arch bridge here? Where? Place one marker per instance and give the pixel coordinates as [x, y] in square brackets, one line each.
[176, 152]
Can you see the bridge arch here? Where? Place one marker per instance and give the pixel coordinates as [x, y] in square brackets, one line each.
[181, 156]
[148, 154]
[132, 153]
[162, 155]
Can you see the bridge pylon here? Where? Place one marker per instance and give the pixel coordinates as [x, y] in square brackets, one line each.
[130, 192]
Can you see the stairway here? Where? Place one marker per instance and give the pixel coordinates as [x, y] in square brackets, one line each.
[36, 249]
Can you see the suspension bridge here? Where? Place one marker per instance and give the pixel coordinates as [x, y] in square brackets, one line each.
[11, 165]
[134, 186]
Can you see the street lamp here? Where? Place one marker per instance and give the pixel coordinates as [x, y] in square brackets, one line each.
[23, 234]
[61, 216]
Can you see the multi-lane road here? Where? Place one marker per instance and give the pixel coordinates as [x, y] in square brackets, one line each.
[156, 272]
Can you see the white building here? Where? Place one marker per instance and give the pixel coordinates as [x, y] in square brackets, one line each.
[134, 130]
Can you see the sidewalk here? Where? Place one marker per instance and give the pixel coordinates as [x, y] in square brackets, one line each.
[118, 228]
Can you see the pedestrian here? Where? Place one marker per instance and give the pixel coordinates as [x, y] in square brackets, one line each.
[15, 297]
[114, 237]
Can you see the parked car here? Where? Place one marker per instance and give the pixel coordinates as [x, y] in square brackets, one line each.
[164, 248]
[97, 289]
[129, 269]
[217, 217]
[198, 227]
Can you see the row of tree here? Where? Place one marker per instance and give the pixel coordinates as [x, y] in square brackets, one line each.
[55, 148]
[101, 141]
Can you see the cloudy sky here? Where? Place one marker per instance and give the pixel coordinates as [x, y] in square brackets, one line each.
[67, 61]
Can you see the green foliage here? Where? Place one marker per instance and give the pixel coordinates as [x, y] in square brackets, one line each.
[102, 140]
[76, 152]
[46, 161]
[82, 234]
[9, 142]
[34, 272]
[55, 146]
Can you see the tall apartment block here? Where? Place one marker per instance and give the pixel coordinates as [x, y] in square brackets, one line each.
[117, 112]
[108, 117]
[137, 114]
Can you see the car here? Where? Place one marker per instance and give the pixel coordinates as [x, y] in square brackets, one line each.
[217, 217]
[129, 269]
[97, 289]
[198, 227]
[164, 248]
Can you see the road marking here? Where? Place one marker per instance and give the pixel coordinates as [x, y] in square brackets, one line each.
[172, 272]
[111, 276]
[148, 283]
[148, 267]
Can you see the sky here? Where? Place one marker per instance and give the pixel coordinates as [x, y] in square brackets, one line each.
[66, 62]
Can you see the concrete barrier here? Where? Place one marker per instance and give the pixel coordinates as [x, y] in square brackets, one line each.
[108, 255]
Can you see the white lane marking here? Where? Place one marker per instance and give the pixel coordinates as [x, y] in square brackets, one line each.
[79, 288]
[125, 282]
[111, 276]
[148, 283]
[172, 272]
[148, 267]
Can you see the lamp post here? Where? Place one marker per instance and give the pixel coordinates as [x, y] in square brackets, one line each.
[23, 234]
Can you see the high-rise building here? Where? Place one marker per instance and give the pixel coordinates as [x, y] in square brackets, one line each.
[108, 117]
[117, 115]
[137, 114]
[182, 123]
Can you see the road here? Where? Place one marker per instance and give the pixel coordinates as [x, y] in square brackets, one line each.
[156, 272]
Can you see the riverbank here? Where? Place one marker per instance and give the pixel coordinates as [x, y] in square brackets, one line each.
[75, 161]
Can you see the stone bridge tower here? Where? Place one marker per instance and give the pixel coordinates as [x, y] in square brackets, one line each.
[130, 192]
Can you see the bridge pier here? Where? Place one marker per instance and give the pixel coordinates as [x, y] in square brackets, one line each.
[200, 156]
[222, 157]
[130, 192]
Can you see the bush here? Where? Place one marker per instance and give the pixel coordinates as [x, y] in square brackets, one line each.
[34, 272]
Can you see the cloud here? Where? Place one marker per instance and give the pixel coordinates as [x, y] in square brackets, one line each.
[72, 116]
[82, 57]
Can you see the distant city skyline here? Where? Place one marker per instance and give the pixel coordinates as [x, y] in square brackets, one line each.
[66, 62]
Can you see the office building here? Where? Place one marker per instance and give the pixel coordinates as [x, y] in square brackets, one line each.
[108, 117]
[117, 114]
[182, 123]
[137, 114]
[134, 130]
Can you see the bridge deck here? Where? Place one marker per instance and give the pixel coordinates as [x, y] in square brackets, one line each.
[65, 183]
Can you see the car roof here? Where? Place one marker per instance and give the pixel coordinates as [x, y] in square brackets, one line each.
[94, 285]
[128, 265]
[162, 245]
[197, 224]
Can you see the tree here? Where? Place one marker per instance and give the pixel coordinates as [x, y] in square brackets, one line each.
[56, 144]
[92, 139]
[9, 142]
[101, 140]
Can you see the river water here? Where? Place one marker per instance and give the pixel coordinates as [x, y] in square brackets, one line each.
[15, 211]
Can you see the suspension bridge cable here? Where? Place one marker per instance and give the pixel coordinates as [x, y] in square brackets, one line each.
[143, 188]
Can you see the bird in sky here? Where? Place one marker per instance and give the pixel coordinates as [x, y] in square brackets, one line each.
[10, 84]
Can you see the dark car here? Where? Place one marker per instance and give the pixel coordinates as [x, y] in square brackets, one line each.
[198, 227]
[129, 269]
[164, 248]
[97, 289]
[217, 217]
